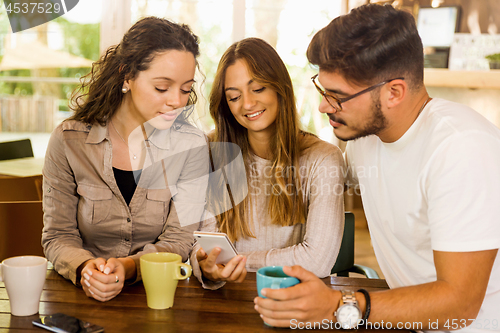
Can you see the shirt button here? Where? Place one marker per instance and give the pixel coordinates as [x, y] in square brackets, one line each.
[48, 190]
[128, 219]
[126, 239]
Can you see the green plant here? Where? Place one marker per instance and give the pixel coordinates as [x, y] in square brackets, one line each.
[493, 57]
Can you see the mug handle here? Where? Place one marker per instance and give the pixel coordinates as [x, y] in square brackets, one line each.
[276, 285]
[187, 269]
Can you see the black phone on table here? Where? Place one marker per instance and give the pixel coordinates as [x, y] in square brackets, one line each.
[210, 240]
[63, 323]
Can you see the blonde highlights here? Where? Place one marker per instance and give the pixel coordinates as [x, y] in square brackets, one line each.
[286, 203]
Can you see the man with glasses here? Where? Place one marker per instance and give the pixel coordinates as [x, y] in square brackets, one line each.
[432, 206]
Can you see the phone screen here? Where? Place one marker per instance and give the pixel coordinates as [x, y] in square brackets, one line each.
[62, 323]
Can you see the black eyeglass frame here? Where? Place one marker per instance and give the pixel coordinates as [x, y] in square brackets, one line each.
[348, 98]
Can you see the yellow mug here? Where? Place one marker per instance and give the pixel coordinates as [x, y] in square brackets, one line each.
[160, 274]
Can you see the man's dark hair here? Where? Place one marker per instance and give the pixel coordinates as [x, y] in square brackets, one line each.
[371, 43]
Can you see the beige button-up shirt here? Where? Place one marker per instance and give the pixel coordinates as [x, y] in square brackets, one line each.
[85, 214]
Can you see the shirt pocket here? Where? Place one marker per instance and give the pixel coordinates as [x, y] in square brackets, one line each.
[94, 204]
[157, 204]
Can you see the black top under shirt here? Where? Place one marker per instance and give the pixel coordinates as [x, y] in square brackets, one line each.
[127, 182]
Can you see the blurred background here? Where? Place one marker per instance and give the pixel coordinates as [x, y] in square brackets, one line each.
[40, 67]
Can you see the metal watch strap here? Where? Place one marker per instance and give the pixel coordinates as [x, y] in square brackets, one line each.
[349, 296]
[348, 299]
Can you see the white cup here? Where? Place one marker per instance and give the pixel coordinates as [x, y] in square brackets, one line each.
[24, 278]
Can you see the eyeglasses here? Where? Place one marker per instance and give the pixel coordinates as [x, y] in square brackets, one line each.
[336, 103]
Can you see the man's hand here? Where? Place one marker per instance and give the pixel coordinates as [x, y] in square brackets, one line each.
[233, 271]
[309, 301]
[99, 278]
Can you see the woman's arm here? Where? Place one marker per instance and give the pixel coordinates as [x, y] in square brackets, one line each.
[186, 206]
[61, 238]
[318, 250]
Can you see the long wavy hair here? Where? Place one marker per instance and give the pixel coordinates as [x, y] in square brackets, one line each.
[285, 204]
[99, 95]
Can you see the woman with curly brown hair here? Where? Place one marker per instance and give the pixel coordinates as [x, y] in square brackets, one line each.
[126, 173]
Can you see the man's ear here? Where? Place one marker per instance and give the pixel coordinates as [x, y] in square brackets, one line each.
[394, 93]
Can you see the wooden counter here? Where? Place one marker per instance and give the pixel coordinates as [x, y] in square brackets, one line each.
[442, 77]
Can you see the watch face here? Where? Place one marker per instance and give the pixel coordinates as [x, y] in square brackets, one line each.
[348, 316]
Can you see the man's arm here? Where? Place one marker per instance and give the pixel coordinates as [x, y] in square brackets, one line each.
[462, 278]
[458, 292]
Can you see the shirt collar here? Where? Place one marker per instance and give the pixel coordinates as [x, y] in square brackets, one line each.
[161, 138]
[97, 133]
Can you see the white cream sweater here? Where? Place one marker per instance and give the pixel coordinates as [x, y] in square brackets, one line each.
[315, 244]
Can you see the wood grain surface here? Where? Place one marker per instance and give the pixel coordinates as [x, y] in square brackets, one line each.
[229, 309]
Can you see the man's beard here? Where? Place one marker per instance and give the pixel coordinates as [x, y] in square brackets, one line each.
[373, 125]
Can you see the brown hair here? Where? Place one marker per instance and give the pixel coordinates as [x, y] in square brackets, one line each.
[100, 95]
[286, 208]
[371, 43]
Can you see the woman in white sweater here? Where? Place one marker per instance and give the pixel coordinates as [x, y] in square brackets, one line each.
[294, 211]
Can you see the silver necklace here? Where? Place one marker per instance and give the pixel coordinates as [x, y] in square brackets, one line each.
[423, 106]
[135, 155]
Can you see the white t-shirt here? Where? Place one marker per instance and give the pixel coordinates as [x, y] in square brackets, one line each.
[436, 188]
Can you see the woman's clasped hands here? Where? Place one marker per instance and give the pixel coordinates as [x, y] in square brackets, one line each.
[103, 279]
[233, 271]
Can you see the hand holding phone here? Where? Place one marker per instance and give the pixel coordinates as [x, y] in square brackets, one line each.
[63, 323]
[210, 240]
[218, 258]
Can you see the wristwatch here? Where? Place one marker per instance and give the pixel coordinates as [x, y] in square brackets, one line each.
[348, 313]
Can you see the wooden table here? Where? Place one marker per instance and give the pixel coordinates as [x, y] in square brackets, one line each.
[22, 167]
[229, 309]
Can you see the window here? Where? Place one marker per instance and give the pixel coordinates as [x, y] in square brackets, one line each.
[39, 69]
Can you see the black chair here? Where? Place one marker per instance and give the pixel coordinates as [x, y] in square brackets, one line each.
[345, 260]
[15, 149]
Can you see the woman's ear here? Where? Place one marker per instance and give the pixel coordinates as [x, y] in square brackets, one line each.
[126, 83]
[395, 93]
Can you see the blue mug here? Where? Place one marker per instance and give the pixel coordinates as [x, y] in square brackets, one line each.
[273, 277]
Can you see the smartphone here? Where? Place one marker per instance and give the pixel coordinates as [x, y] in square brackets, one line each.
[209, 240]
[63, 323]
